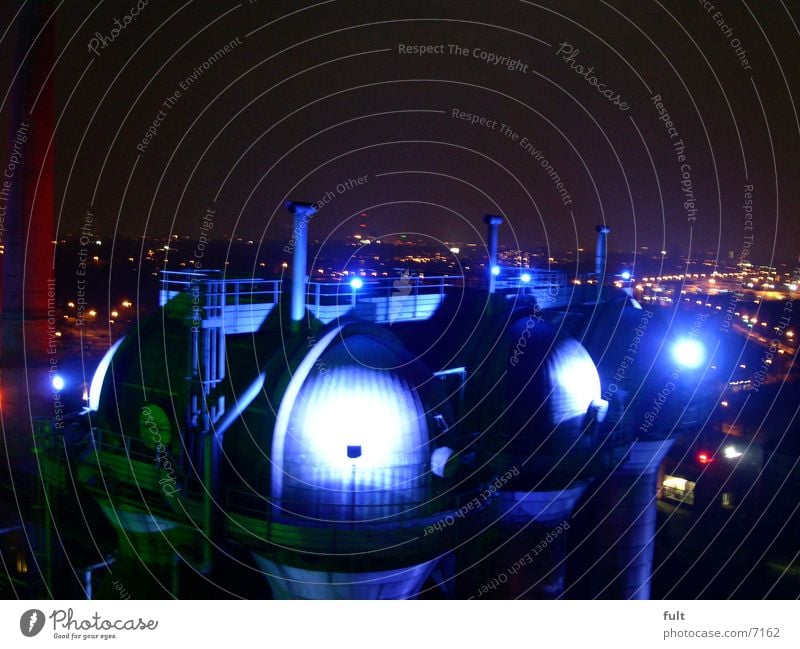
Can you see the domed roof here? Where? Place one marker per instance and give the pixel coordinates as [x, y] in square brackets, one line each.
[552, 381]
[539, 400]
[351, 436]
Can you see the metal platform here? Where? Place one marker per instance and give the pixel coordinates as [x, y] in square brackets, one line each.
[242, 305]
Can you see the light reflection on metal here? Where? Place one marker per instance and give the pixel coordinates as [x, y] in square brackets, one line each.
[350, 443]
[96, 386]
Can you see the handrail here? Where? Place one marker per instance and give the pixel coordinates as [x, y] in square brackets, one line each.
[216, 292]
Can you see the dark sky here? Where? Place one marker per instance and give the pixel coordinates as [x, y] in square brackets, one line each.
[313, 94]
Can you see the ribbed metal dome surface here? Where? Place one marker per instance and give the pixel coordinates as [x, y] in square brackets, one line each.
[537, 404]
[554, 379]
[351, 437]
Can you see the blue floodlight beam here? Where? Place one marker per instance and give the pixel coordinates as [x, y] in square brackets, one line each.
[688, 353]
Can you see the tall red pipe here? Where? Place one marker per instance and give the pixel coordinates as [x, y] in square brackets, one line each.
[27, 206]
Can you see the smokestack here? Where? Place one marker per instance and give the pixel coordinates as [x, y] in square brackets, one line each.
[601, 254]
[493, 221]
[27, 208]
[302, 213]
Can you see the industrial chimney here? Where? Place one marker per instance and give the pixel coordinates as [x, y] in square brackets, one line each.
[493, 221]
[601, 254]
[302, 212]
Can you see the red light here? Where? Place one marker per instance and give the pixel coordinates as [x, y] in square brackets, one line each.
[363, 213]
[703, 457]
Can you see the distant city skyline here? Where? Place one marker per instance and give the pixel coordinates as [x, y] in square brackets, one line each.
[443, 117]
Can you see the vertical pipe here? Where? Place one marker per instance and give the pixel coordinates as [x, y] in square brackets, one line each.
[493, 221]
[209, 489]
[601, 253]
[623, 544]
[302, 213]
[27, 165]
[27, 207]
[48, 536]
[194, 378]
[221, 365]
[87, 582]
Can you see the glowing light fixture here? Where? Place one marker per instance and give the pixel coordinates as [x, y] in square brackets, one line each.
[626, 274]
[576, 385]
[495, 270]
[731, 452]
[704, 458]
[525, 278]
[58, 383]
[688, 353]
[351, 443]
[356, 283]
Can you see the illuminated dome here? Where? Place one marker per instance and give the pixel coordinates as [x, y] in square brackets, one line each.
[351, 436]
[556, 379]
[544, 395]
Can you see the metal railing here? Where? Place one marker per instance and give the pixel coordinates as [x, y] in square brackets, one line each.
[530, 279]
[327, 293]
[214, 292]
[215, 297]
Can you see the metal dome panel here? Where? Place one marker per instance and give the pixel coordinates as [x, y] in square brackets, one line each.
[351, 440]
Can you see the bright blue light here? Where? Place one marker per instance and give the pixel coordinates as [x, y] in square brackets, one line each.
[495, 270]
[525, 277]
[353, 430]
[626, 275]
[356, 283]
[57, 382]
[688, 353]
[576, 383]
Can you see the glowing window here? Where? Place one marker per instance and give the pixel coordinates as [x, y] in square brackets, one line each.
[678, 489]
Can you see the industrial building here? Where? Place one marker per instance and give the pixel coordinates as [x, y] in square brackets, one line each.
[497, 436]
[360, 439]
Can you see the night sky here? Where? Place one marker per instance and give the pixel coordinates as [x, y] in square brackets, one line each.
[291, 100]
